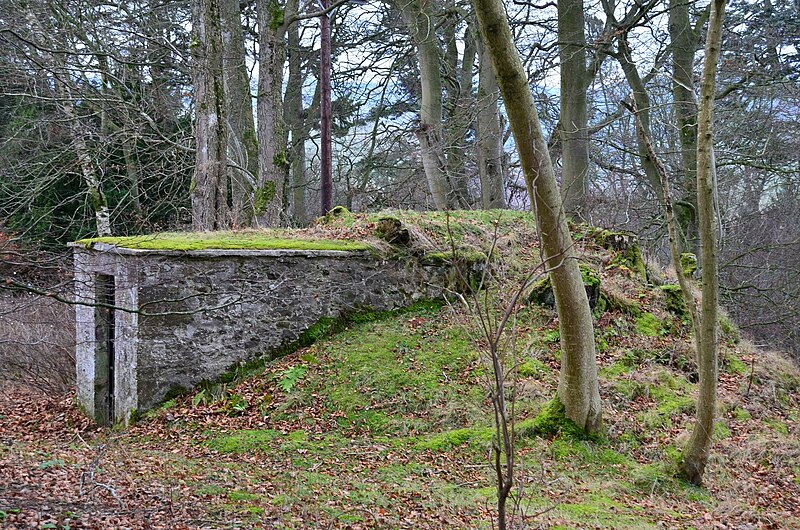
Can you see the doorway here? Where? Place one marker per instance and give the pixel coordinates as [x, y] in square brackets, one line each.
[104, 332]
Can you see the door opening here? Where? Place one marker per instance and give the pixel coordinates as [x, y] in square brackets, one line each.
[104, 349]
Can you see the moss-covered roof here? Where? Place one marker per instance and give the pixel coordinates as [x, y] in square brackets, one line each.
[232, 240]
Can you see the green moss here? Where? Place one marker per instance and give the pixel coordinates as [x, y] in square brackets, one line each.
[210, 489]
[729, 329]
[338, 211]
[721, 431]
[245, 240]
[466, 268]
[670, 404]
[242, 496]
[688, 264]
[264, 195]
[532, 368]
[648, 325]
[627, 255]
[323, 328]
[551, 336]
[276, 20]
[542, 291]
[601, 510]
[734, 365]
[245, 441]
[455, 438]
[674, 300]
[601, 457]
[466, 256]
[658, 477]
[778, 426]
[741, 414]
[552, 421]
[613, 302]
[665, 356]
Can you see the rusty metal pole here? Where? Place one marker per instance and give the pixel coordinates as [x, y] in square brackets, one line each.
[325, 108]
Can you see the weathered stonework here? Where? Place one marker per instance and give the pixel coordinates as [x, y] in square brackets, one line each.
[180, 317]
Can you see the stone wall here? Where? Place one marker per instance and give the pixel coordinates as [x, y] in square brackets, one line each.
[182, 317]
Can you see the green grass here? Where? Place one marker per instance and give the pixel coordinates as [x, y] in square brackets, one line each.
[388, 362]
[648, 325]
[245, 240]
[243, 441]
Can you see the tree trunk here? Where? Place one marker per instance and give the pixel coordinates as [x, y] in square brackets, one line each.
[574, 82]
[578, 388]
[295, 121]
[272, 156]
[489, 135]
[684, 41]
[458, 87]
[210, 183]
[421, 20]
[696, 455]
[242, 144]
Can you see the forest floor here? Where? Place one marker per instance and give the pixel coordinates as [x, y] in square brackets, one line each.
[385, 423]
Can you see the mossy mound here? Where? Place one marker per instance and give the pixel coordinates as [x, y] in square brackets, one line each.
[625, 248]
[542, 291]
[552, 421]
[673, 297]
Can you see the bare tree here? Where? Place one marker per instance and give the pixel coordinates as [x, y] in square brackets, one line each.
[696, 454]
[578, 388]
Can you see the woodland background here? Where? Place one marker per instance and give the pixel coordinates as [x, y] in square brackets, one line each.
[144, 116]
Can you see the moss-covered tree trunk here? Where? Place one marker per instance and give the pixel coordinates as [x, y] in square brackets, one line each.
[578, 388]
[210, 183]
[697, 451]
[295, 120]
[272, 157]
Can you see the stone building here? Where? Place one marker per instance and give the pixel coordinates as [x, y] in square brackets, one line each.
[153, 321]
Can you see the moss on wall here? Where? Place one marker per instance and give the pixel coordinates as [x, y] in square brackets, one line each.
[247, 240]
